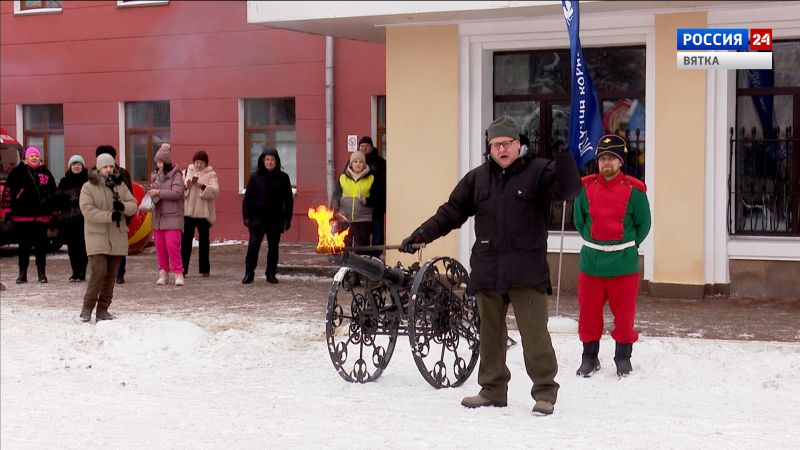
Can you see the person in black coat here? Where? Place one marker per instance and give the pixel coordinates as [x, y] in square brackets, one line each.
[28, 203]
[266, 210]
[70, 218]
[377, 166]
[510, 196]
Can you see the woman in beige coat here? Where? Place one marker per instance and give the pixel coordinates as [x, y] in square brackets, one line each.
[104, 200]
[200, 189]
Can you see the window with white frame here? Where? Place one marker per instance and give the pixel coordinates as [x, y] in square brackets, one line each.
[764, 177]
[43, 128]
[270, 123]
[147, 126]
[131, 3]
[533, 88]
[37, 7]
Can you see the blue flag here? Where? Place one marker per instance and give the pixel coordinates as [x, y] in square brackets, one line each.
[585, 126]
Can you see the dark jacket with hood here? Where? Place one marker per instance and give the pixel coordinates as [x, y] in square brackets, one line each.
[511, 208]
[29, 194]
[268, 202]
[68, 197]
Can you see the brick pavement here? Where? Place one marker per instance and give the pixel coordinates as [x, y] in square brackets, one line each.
[305, 284]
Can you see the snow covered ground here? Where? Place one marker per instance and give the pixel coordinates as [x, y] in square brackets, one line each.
[208, 380]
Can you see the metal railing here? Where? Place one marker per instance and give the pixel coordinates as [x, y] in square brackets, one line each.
[763, 183]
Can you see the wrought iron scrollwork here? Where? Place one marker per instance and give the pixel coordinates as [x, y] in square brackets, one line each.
[370, 306]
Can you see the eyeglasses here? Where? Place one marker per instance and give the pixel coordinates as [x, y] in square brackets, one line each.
[506, 145]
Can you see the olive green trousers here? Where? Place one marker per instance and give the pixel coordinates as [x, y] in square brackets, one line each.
[530, 310]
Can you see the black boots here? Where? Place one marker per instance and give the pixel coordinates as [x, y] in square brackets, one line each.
[589, 361]
[622, 357]
[42, 276]
[103, 314]
[248, 277]
[86, 311]
[23, 272]
[272, 279]
[591, 364]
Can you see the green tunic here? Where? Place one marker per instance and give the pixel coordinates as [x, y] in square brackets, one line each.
[622, 199]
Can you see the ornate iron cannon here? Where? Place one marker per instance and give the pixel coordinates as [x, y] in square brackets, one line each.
[370, 304]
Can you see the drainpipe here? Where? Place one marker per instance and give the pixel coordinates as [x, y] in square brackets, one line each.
[329, 170]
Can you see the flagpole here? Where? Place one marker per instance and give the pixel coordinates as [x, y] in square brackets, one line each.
[561, 253]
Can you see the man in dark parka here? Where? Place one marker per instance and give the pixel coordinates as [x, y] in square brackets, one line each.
[266, 210]
[510, 196]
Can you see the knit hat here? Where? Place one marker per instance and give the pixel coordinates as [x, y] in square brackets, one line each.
[76, 159]
[366, 140]
[104, 160]
[503, 127]
[30, 150]
[200, 156]
[164, 155]
[106, 149]
[611, 144]
[357, 156]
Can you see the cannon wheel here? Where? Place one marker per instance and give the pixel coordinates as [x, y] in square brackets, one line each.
[443, 323]
[361, 336]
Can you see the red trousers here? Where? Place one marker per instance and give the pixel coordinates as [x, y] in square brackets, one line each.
[621, 293]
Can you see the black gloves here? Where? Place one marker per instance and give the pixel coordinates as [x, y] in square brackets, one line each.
[286, 225]
[118, 206]
[247, 223]
[407, 246]
[116, 216]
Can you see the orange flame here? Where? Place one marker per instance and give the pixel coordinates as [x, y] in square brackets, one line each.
[329, 240]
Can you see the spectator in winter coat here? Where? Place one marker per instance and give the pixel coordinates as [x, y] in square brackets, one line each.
[70, 219]
[377, 165]
[166, 189]
[200, 189]
[266, 210]
[28, 201]
[126, 178]
[353, 198]
[509, 195]
[105, 201]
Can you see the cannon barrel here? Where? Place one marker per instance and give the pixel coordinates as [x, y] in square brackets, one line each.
[373, 268]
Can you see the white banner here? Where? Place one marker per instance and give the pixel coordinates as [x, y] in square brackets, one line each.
[724, 60]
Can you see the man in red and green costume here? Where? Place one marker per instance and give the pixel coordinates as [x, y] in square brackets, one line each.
[612, 215]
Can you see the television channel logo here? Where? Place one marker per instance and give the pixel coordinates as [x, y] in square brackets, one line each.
[724, 48]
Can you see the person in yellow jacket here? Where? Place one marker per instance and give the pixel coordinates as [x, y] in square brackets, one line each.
[352, 197]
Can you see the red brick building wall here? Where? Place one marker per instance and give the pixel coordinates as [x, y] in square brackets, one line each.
[203, 58]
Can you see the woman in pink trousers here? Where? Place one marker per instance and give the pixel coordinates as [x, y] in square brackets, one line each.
[167, 192]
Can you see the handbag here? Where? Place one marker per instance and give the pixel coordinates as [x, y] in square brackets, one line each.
[146, 204]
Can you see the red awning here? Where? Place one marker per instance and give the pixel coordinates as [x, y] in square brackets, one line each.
[6, 138]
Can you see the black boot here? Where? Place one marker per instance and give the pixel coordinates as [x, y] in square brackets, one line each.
[589, 362]
[23, 273]
[272, 279]
[42, 276]
[86, 311]
[622, 357]
[103, 314]
[248, 277]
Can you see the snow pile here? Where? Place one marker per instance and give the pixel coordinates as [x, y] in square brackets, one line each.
[210, 380]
